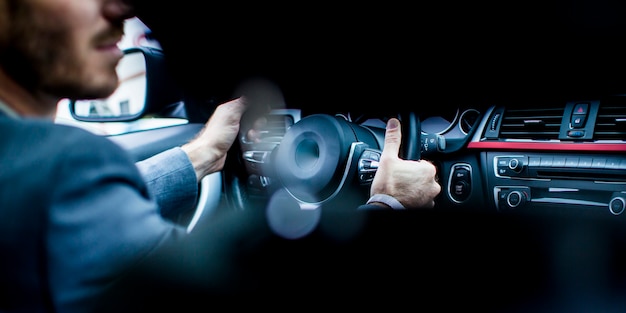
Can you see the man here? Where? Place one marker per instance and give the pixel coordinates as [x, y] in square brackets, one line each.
[76, 212]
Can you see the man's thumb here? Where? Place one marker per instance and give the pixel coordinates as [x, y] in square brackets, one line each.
[393, 138]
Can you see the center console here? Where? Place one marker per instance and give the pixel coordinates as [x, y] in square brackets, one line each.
[564, 157]
[529, 180]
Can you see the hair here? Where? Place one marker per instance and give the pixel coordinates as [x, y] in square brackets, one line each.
[12, 60]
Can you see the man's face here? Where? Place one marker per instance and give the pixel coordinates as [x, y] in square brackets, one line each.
[62, 48]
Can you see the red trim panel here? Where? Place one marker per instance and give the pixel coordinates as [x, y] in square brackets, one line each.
[597, 147]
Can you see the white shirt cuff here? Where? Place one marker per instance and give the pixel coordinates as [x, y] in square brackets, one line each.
[388, 200]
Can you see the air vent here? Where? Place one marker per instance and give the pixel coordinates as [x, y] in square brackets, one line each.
[611, 122]
[532, 124]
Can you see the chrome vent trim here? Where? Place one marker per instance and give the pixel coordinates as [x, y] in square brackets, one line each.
[531, 123]
[611, 122]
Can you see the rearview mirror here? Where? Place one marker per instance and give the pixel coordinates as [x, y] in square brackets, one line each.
[144, 88]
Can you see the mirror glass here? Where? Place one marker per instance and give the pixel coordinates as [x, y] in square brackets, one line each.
[128, 100]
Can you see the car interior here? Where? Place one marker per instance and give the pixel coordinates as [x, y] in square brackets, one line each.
[522, 109]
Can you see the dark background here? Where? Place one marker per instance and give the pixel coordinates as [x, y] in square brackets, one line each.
[354, 55]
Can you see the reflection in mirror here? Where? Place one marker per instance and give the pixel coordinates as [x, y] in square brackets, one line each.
[128, 100]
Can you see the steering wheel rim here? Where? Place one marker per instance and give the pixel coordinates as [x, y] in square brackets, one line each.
[411, 136]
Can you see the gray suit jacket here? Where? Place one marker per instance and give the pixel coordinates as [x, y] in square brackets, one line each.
[75, 211]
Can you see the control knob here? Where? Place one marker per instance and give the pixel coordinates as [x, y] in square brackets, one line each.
[515, 199]
[516, 165]
[617, 204]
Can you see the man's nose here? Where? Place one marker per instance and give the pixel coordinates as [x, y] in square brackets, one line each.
[119, 9]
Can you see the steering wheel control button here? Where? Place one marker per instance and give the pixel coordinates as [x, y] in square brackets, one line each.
[368, 164]
[371, 155]
[460, 182]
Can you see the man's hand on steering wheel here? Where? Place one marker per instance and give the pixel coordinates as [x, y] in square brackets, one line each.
[413, 183]
[208, 150]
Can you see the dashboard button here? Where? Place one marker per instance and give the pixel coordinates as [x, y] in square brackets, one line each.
[504, 162]
[534, 161]
[461, 189]
[598, 163]
[546, 161]
[581, 108]
[617, 205]
[460, 182]
[558, 162]
[612, 164]
[584, 163]
[576, 133]
[516, 165]
[514, 198]
[578, 120]
[461, 174]
[571, 162]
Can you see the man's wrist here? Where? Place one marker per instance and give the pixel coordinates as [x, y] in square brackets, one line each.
[386, 200]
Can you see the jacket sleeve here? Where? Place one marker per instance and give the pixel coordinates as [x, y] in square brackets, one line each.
[171, 179]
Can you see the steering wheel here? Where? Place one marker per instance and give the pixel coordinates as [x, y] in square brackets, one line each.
[322, 163]
[328, 159]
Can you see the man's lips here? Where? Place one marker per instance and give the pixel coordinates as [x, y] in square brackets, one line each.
[109, 43]
[108, 40]
[110, 47]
